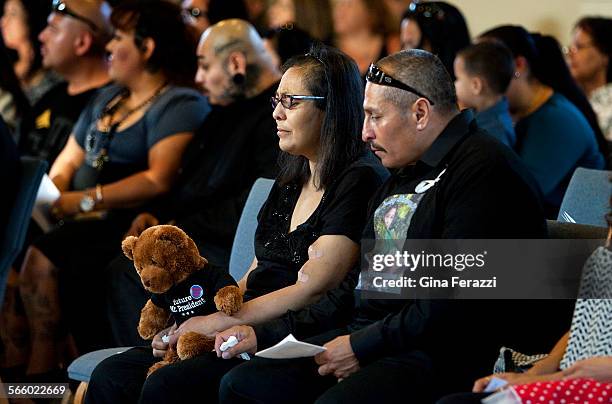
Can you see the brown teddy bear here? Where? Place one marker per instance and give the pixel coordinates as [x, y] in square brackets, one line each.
[171, 268]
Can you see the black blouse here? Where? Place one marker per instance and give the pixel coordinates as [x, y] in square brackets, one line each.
[342, 210]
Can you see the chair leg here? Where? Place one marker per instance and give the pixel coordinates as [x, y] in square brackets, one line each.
[79, 396]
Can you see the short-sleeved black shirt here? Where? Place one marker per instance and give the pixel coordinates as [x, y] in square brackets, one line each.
[342, 211]
[54, 116]
[195, 295]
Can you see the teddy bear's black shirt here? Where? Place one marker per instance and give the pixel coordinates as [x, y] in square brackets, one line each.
[195, 295]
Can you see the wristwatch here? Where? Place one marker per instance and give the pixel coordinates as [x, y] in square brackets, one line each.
[87, 204]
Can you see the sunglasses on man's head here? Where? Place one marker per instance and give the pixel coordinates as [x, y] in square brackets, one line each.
[60, 7]
[377, 76]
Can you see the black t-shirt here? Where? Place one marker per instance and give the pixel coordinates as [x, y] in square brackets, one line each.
[195, 295]
[53, 117]
[280, 253]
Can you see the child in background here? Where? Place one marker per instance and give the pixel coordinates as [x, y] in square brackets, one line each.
[483, 73]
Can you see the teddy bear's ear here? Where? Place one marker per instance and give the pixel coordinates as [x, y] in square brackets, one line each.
[128, 246]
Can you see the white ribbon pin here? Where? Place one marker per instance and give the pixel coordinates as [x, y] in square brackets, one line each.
[423, 186]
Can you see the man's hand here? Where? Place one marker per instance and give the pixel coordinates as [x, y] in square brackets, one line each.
[598, 368]
[207, 325]
[141, 223]
[247, 341]
[160, 347]
[339, 359]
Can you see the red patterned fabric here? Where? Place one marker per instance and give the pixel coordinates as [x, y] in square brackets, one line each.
[576, 391]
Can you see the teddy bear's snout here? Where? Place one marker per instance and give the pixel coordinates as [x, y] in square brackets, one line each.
[155, 279]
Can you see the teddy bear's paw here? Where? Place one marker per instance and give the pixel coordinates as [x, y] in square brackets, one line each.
[156, 366]
[192, 344]
[229, 300]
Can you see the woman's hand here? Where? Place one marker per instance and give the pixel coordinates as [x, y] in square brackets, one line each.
[68, 204]
[247, 341]
[515, 378]
[206, 325]
[160, 347]
[141, 223]
[598, 368]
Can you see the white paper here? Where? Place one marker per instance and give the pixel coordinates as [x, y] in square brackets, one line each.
[46, 196]
[291, 348]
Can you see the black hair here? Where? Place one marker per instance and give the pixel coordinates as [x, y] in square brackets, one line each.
[443, 27]
[175, 43]
[288, 41]
[547, 65]
[9, 82]
[520, 43]
[492, 61]
[425, 72]
[219, 10]
[37, 12]
[560, 79]
[600, 31]
[328, 72]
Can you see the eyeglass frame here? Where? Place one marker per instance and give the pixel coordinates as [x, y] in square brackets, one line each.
[275, 100]
[575, 48]
[384, 79]
[56, 6]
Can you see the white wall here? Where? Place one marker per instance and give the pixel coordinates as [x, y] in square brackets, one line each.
[553, 17]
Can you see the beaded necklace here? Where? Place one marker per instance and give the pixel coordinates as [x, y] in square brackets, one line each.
[111, 127]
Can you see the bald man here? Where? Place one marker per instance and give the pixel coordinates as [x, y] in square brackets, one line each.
[236, 145]
[73, 46]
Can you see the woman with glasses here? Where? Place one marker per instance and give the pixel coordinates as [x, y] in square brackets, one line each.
[590, 62]
[437, 27]
[308, 234]
[125, 151]
[21, 23]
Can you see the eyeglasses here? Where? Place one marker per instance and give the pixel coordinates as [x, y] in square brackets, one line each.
[574, 48]
[195, 12]
[60, 7]
[287, 100]
[377, 76]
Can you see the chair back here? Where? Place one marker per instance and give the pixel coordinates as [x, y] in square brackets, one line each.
[32, 171]
[243, 250]
[587, 198]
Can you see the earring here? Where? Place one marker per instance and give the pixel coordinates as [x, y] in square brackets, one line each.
[238, 79]
[517, 74]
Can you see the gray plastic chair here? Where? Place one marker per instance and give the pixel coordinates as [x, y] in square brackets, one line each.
[243, 250]
[587, 198]
[241, 257]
